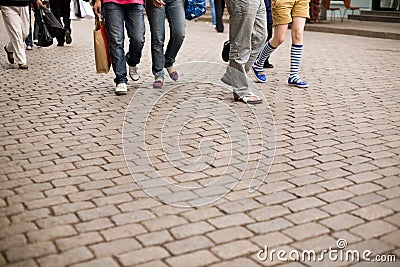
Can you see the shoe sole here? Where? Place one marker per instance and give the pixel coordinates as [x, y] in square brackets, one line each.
[237, 99]
[133, 79]
[258, 79]
[121, 92]
[299, 86]
[9, 58]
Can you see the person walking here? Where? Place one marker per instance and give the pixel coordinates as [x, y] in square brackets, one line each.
[284, 13]
[16, 20]
[247, 36]
[156, 11]
[270, 25]
[117, 13]
[61, 8]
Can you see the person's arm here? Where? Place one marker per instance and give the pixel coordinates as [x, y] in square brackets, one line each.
[39, 3]
[158, 3]
[97, 8]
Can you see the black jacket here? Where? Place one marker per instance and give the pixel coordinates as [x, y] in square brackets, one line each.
[14, 2]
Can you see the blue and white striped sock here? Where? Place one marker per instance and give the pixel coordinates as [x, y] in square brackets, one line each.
[262, 56]
[295, 58]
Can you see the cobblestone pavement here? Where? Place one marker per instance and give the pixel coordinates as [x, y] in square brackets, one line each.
[67, 197]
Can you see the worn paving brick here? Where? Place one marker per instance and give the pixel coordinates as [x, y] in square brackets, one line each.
[373, 212]
[269, 226]
[231, 220]
[30, 251]
[123, 231]
[335, 195]
[341, 222]
[142, 255]
[373, 229]
[191, 229]
[304, 203]
[271, 240]
[307, 230]
[69, 257]
[268, 212]
[229, 234]
[155, 238]
[234, 249]
[189, 244]
[115, 247]
[307, 216]
[52, 233]
[104, 211]
[97, 224]
[198, 258]
[108, 261]
[78, 240]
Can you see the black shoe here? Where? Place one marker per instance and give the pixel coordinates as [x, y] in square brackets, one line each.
[10, 56]
[68, 38]
[268, 65]
[60, 44]
[22, 66]
[225, 51]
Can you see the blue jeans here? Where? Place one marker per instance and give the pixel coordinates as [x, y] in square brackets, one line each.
[132, 15]
[212, 8]
[175, 13]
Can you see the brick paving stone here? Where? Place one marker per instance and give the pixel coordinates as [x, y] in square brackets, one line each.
[33, 215]
[395, 219]
[367, 199]
[97, 224]
[390, 193]
[234, 249]
[341, 222]
[306, 216]
[374, 245]
[239, 206]
[17, 228]
[47, 202]
[57, 220]
[373, 212]
[12, 241]
[276, 198]
[104, 211]
[388, 182]
[307, 190]
[30, 251]
[335, 195]
[239, 262]
[123, 231]
[392, 238]
[334, 173]
[112, 200]
[269, 226]
[52, 233]
[189, 244]
[339, 207]
[27, 263]
[268, 212]
[191, 229]
[373, 229]
[72, 207]
[139, 204]
[198, 258]
[69, 257]
[365, 188]
[272, 240]
[164, 223]
[156, 263]
[155, 238]
[109, 262]
[307, 230]
[84, 195]
[393, 204]
[136, 257]
[78, 240]
[304, 203]
[115, 247]
[316, 243]
[229, 234]
[364, 177]
[231, 220]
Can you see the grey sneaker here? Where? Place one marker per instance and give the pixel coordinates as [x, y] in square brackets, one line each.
[121, 89]
[134, 73]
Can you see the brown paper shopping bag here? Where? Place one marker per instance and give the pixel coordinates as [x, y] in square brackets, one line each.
[101, 52]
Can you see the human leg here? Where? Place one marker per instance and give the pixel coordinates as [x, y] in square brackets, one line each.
[156, 17]
[176, 18]
[219, 12]
[56, 9]
[15, 20]
[114, 15]
[296, 52]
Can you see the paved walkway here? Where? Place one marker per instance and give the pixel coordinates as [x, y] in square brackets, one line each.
[67, 197]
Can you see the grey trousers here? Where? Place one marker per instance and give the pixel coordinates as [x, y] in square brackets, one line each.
[247, 34]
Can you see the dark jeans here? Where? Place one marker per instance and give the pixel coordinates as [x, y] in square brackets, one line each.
[219, 12]
[132, 15]
[175, 13]
[61, 8]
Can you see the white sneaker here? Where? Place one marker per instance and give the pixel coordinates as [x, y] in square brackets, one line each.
[28, 47]
[121, 89]
[134, 73]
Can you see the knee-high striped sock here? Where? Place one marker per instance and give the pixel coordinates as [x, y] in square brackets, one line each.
[262, 56]
[295, 58]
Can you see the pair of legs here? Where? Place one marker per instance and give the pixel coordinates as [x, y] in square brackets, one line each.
[247, 36]
[132, 16]
[61, 8]
[175, 13]
[16, 21]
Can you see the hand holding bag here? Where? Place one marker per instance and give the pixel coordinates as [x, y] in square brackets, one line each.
[44, 37]
[101, 52]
